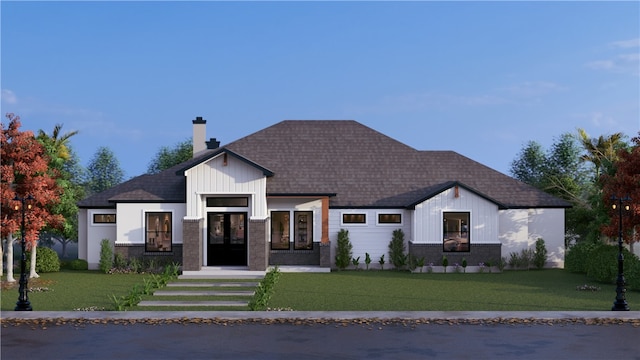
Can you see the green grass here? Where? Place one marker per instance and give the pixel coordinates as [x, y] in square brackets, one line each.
[546, 290]
[69, 290]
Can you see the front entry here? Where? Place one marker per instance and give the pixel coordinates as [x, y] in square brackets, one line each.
[227, 238]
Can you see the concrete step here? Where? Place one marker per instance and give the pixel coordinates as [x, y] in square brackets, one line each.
[194, 303]
[212, 284]
[202, 293]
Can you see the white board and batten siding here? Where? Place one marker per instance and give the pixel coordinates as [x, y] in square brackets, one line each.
[371, 237]
[483, 227]
[235, 178]
[520, 228]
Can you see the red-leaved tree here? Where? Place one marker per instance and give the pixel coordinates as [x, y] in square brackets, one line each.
[23, 172]
[625, 182]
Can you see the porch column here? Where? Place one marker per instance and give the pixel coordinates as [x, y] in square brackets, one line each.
[325, 244]
[258, 245]
[192, 244]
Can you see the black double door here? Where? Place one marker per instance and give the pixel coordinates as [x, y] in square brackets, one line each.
[227, 238]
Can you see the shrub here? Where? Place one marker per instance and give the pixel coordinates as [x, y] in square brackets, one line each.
[78, 264]
[540, 254]
[381, 262]
[575, 260]
[464, 264]
[119, 262]
[264, 290]
[445, 263]
[367, 260]
[106, 256]
[47, 260]
[397, 257]
[356, 262]
[343, 250]
[599, 262]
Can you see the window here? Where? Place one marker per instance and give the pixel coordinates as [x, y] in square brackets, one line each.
[104, 218]
[354, 218]
[227, 202]
[158, 227]
[280, 230]
[455, 228]
[303, 230]
[389, 218]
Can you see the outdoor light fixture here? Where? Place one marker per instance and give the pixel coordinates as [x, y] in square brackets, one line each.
[621, 303]
[23, 303]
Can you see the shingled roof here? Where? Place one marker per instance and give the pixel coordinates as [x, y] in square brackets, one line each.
[361, 166]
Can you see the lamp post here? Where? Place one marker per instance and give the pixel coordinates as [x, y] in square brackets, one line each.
[621, 303]
[23, 303]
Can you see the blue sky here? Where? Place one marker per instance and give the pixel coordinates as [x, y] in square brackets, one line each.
[479, 78]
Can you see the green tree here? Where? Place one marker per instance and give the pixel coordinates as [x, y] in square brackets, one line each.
[103, 171]
[65, 168]
[529, 165]
[559, 171]
[168, 157]
[602, 152]
[343, 250]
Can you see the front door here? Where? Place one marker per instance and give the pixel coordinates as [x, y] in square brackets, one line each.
[227, 238]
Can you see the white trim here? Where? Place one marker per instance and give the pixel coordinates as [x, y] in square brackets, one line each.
[102, 212]
[366, 218]
[378, 213]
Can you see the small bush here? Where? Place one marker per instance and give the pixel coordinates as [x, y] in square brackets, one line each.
[77, 264]
[119, 262]
[106, 256]
[540, 254]
[47, 260]
[367, 260]
[397, 257]
[575, 260]
[343, 250]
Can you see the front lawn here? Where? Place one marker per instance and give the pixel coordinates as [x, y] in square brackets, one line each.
[70, 290]
[535, 290]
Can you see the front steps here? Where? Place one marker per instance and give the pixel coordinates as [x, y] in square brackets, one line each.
[222, 292]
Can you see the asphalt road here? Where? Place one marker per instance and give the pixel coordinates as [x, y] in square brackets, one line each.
[318, 339]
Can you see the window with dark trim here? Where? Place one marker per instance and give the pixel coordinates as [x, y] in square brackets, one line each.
[455, 229]
[389, 218]
[280, 230]
[228, 201]
[158, 235]
[354, 218]
[104, 218]
[303, 230]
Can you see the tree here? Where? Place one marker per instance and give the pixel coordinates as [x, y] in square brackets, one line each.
[24, 171]
[560, 172]
[529, 165]
[601, 152]
[168, 157]
[103, 171]
[64, 165]
[625, 182]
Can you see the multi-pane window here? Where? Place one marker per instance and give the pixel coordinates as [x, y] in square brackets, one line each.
[159, 234]
[455, 229]
[280, 228]
[303, 230]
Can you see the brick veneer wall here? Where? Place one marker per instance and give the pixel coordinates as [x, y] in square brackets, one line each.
[137, 252]
[258, 247]
[295, 257]
[192, 244]
[325, 254]
[433, 253]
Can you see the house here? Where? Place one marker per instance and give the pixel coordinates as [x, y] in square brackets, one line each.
[281, 195]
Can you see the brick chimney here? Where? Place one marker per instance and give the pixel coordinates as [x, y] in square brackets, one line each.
[199, 135]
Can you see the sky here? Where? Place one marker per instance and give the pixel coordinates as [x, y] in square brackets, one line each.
[479, 78]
